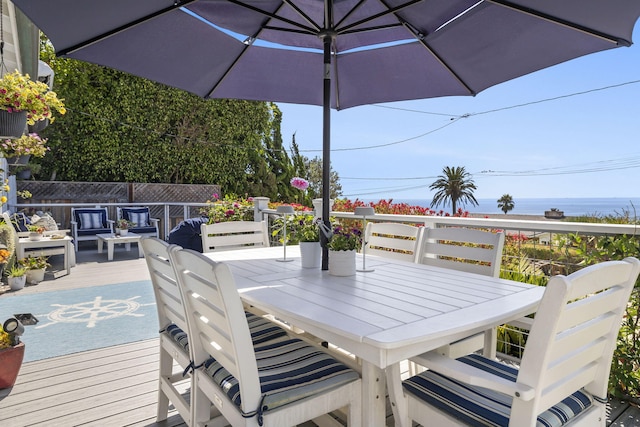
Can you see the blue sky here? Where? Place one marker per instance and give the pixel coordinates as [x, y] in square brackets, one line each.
[578, 146]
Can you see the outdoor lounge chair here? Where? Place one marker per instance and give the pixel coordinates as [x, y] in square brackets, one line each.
[563, 375]
[87, 223]
[282, 383]
[470, 250]
[139, 215]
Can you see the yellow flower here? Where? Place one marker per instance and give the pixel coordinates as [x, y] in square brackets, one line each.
[3, 199]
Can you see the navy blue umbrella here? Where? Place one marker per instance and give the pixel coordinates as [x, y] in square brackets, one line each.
[334, 53]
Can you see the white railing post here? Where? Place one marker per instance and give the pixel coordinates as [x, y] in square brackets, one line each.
[259, 204]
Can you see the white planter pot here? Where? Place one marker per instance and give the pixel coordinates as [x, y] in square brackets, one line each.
[35, 236]
[342, 263]
[35, 276]
[310, 254]
[123, 232]
[17, 283]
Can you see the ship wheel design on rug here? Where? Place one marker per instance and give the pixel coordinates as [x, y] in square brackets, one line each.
[94, 311]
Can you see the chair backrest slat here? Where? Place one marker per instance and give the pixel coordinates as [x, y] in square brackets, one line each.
[217, 321]
[463, 249]
[392, 240]
[168, 300]
[233, 235]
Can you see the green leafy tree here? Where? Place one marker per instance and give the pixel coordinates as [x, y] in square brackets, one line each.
[454, 186]
[506, 203]
[122, 128]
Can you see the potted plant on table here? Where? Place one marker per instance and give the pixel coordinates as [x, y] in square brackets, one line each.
[305, 230]
[24, 101]
[123, 226]
[36, 267]
[35, 232]
[342, 250]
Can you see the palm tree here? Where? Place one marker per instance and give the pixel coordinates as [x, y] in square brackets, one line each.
[455, 185]
[505, 203]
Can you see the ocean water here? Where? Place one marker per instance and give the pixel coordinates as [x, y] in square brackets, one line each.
[602, 206]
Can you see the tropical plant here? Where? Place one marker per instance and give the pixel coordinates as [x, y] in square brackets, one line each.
[19, 93]
[27, 145]
[454, 186]
[34, 262]
[345, 238]
[506, 203]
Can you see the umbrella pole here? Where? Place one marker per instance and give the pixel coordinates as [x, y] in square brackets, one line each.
[326, 147]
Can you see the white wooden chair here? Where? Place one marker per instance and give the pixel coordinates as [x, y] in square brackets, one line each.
[564, 370]
[470, 250]
[277, 383]
[174, 343]
[233, 235]
[392, 240]
[173, 327]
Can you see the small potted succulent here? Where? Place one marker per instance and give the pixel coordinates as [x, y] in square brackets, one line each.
[16, 277]
[123, 226]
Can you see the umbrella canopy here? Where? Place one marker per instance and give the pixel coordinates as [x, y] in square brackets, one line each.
[334, 53]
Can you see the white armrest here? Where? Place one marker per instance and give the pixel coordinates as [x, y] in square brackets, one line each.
[473, 376]
[522, 323]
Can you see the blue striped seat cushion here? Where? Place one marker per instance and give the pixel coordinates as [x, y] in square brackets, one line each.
[479, 406]
[261, 329]
[289, 370]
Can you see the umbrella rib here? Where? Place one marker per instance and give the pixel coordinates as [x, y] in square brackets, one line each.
[176, 5]
[276, 17]
[389, 11]
[572, 25]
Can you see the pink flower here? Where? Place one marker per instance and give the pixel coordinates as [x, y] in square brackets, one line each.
[300, 183]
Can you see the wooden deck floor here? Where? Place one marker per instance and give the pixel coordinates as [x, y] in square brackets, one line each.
[114, 386]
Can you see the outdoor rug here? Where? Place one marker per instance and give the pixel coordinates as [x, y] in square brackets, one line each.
[76, 320]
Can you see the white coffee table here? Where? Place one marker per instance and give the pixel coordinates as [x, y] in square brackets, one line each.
[115, 239]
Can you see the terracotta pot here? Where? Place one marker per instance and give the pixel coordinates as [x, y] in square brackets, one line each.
[10, 362]
[310, 254]
[342, 263]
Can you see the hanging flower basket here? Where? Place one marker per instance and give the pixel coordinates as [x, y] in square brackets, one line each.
[18, 160]
[38, 126]
[12, 125]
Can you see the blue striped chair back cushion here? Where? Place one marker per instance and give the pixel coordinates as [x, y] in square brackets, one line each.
[289, 370]
[91, 219]
[479, 406]
[261, 329]
[140, 217]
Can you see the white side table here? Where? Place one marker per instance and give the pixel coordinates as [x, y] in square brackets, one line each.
[46, 246]
[114, 239]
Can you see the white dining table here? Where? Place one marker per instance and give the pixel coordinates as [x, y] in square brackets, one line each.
[397, 311]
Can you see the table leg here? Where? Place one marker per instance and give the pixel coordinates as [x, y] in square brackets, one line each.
[110, 250]
[127, 246]
[373, 395]
[67, 263]
[140, 252]
[99, 246]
